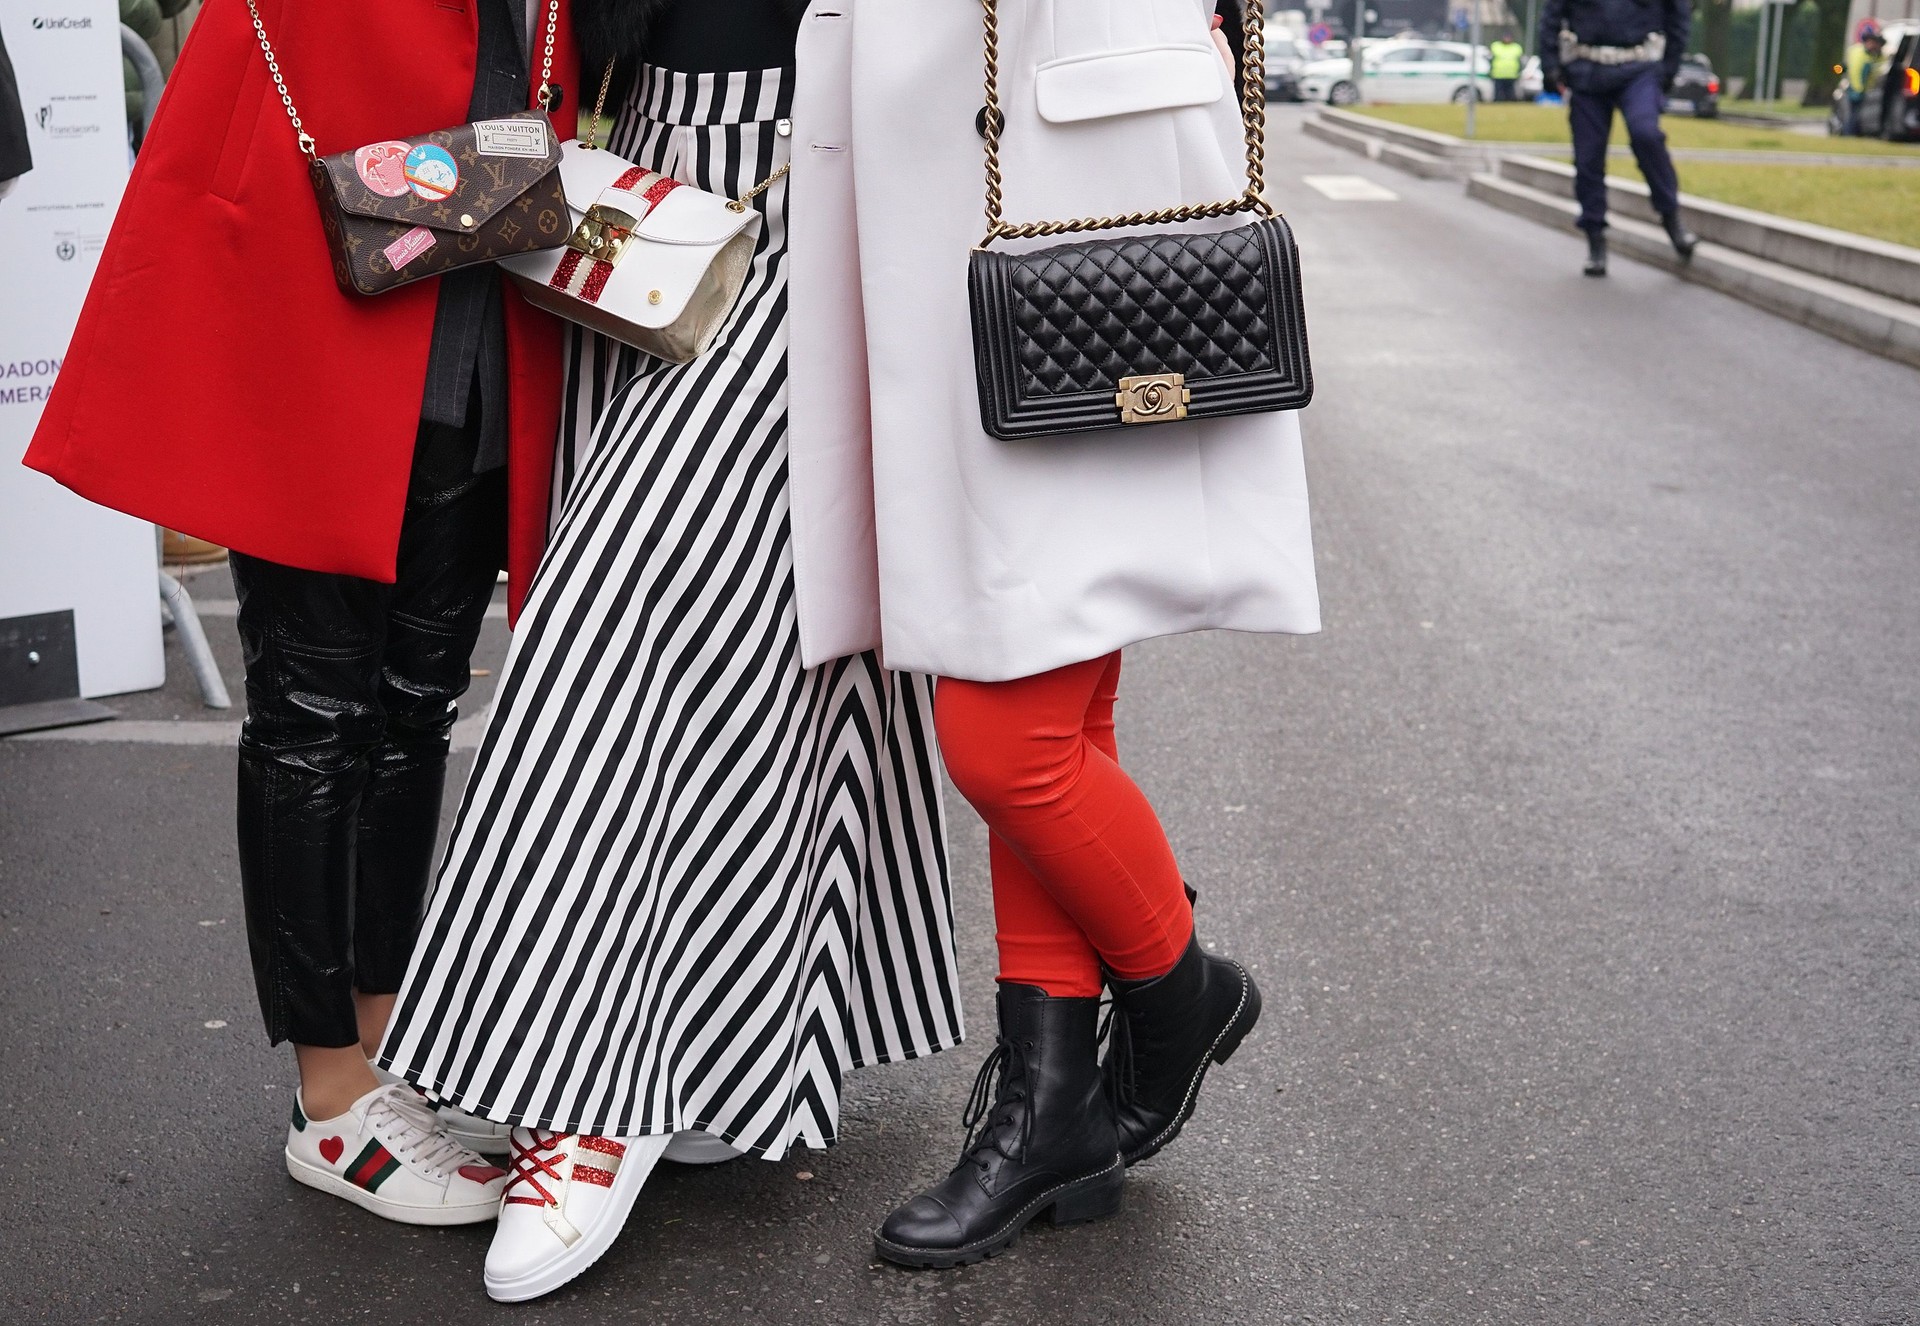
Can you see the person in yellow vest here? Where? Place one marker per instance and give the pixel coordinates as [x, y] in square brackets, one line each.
[1507, 56]
[1862, 57]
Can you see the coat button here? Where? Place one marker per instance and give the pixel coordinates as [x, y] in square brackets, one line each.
[784, 128]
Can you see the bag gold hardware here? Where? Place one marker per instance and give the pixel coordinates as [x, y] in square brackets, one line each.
[603, 234]
[1153, 398]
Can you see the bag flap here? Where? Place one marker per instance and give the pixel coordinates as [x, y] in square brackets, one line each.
[694, 217]
[453, 179]
[1125, 82]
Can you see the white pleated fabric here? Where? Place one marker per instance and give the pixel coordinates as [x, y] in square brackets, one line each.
[691, 882]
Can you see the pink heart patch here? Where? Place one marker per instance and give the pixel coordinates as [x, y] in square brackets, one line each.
[331, 1148]
[481, 1173]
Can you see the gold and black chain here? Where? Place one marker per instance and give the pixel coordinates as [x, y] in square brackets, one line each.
[1253, 106]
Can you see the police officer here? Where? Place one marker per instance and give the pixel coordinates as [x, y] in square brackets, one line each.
[1617, 55]
[1863, 57]
[1505, 56]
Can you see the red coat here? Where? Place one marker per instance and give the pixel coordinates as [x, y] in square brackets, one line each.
[218, 382]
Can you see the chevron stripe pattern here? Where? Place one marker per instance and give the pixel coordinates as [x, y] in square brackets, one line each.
[691, 883]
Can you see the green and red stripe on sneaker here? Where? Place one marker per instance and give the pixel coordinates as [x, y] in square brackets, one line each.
[372, 1167]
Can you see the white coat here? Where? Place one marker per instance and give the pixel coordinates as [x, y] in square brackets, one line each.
[913, 530]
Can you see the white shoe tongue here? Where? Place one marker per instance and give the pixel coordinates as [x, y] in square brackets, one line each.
[415, 1134]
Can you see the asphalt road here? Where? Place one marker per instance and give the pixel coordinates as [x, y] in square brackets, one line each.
[1577, 859]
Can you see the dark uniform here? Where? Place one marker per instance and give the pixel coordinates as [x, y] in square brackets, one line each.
[1617, 55]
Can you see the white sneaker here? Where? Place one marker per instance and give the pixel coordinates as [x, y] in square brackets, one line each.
[473, 1132]
[389, 1154]
[564, 1205]
[690, 1148]
[470, 1130]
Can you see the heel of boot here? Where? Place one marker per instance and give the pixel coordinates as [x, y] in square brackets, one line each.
[1095, 1198]
[1242, 1024]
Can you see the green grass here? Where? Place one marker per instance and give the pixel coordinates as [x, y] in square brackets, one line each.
[1881, 201]
[1548, 124]
[1793, 110]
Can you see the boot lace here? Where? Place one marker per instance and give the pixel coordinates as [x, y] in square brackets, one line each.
[990, 1107]
[406, 1122]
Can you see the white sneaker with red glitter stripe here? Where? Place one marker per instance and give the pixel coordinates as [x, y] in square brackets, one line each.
[390, 1154]
[565, 1204]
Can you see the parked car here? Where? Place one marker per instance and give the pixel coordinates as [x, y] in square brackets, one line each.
[1697, 85]
[1532, 83]
[1285, 59]
[1892, 106]
[1400, 70]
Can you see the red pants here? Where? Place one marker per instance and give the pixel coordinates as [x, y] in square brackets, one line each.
[1082, 872]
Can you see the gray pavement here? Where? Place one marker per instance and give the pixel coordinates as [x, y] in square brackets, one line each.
[1577, 860]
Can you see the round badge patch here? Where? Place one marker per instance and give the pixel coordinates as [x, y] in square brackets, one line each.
[431, 172]
[382, 167]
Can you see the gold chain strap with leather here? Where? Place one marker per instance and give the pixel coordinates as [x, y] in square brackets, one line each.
[1253, 112]
[493, 190]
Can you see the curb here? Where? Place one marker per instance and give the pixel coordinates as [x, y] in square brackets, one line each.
[1873, 322]
[1890, 270]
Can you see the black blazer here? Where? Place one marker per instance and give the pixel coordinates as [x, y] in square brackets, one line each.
[15, 157]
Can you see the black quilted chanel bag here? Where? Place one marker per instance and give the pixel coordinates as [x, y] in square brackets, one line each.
[1141, 329]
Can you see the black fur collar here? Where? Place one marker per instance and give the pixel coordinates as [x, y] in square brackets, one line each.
[617, 29]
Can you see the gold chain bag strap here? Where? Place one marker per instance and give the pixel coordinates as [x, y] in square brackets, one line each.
[406, 208]
[650, 261]
[1138, 329]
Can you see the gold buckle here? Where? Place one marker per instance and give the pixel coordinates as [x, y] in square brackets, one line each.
[603, 234]
[1153, 398]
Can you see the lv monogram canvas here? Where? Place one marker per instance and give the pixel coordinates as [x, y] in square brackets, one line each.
[407, 208]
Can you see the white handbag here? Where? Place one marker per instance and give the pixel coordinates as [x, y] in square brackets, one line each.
[651, 262]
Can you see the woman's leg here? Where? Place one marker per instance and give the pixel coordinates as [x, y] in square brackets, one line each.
[1082, 870]
[1036, 759]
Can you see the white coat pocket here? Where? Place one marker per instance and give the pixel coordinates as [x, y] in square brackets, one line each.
[1123, 57]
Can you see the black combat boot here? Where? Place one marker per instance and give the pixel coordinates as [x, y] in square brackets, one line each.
[1165, 1032]
[1684, 240]
[1040, 1138]
[1596, 253]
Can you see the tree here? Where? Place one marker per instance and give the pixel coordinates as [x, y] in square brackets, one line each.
[1829, 49]
[1714, 23]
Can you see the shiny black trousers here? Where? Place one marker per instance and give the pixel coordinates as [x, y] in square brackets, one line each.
[351, 687]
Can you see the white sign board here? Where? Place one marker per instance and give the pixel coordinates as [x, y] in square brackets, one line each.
[57, 551]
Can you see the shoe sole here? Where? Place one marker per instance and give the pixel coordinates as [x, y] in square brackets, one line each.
[573, 1263]
[1222, 1050]
[1093, 1198]
[324, 1181]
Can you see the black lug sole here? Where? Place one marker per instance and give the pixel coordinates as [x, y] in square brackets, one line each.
[1093, 1198]
[1224, 1046]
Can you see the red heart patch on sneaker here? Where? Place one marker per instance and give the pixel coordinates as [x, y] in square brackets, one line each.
[331, 1148]
[481, 1173]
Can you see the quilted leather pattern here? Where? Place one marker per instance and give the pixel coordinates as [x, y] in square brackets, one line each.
[1055, 329]
[1088, 315]
[516, 204]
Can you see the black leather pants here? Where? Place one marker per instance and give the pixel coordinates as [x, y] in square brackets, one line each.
[350, 702]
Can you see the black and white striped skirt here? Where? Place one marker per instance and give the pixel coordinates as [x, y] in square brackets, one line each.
[691, 882]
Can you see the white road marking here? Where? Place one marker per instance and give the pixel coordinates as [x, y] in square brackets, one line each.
[199, 732]
[1350, 188]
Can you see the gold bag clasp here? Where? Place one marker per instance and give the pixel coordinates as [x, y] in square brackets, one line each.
[1153, 398]
[603, 234]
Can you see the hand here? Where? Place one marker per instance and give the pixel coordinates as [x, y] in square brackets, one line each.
[1220, 43]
